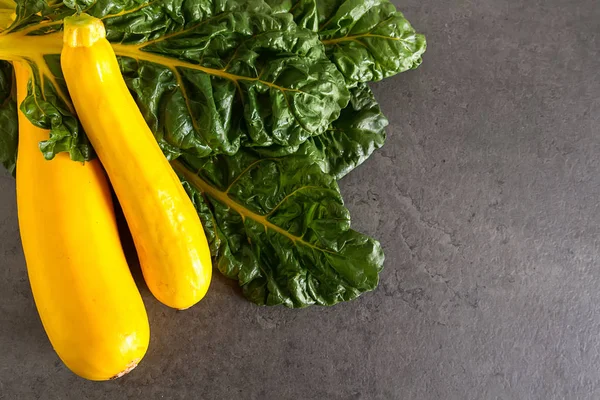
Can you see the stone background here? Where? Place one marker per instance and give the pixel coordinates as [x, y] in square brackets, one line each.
[486, 199]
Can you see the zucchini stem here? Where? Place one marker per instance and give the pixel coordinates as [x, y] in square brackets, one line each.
[83, 30]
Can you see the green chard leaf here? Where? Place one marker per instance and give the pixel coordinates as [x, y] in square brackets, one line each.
[264, 278]
[210, 76]
[9, 129]
[260, 81]
[305, 12]
[48, 106]
[279, 226]
[349, 141]
[368, 40]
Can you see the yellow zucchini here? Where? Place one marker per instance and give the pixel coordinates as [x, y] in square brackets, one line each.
[87, 299]
[166, 229]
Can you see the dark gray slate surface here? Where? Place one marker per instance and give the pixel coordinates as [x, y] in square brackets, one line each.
[486, 199]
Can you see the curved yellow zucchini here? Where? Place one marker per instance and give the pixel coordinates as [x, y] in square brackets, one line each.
[166, 229]
[87, 299]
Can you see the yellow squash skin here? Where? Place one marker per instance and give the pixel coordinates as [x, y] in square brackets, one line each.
[166, 229]
[86, 297]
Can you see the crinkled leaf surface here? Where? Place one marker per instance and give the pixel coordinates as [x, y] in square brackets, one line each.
[279, 226]
[48, 106]
[8, 119]
[349, 141]
[352, 139]
[209, 75]
[368, 40]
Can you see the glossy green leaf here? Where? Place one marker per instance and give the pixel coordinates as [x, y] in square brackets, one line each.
[210, 76]
[305, 12]
[48, 106]
[352, 139]
[368, 40]
[349, 141]
[279, 226]
[8, 119]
